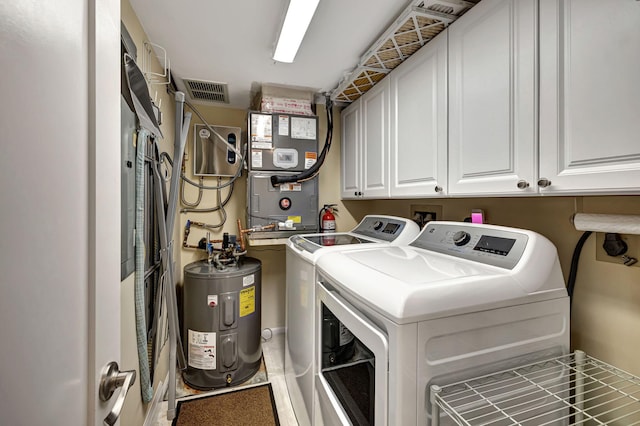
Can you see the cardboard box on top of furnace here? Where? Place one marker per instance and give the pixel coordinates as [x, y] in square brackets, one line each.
[283, 99]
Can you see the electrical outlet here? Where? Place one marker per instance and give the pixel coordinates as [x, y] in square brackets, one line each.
[633, 249]
[423, 214]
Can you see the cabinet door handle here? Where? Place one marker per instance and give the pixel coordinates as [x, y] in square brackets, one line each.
[544, 183]
[438, 188]
[523, 184]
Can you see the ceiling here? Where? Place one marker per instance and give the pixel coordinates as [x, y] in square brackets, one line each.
[232, 41]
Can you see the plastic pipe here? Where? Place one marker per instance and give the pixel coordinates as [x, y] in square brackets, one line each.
[181, 130]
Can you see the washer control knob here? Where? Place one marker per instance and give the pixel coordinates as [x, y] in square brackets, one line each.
[377, 225]
[461, 238]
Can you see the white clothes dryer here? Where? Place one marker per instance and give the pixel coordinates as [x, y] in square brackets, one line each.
[303, 251]
[459, 301]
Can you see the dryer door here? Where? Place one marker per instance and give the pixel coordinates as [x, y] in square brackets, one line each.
[352, 354]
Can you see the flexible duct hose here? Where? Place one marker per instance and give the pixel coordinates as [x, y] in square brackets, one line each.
[309, 174]
[575, 259]
[141, 325]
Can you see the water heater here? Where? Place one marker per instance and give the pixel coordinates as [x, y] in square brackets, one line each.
[222, 331]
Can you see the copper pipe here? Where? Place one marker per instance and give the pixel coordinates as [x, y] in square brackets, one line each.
[242, 232]
[241, 236]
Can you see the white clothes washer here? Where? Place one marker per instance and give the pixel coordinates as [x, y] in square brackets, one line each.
[303, 251]
[459, 301]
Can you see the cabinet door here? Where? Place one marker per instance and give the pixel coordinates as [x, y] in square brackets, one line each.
[375, 141]
[492, 99]
[350, 160]
[590, 95]
[419, 123]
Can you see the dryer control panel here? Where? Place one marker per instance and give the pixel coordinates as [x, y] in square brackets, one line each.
[492, 245]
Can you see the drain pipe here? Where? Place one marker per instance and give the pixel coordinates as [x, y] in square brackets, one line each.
[141, 326]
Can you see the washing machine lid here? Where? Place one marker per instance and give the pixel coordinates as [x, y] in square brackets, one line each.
[413, 283]
[337, 239]
[372, 229]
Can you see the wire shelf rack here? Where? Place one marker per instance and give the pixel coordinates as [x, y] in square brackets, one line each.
[573, 389]
[420, 22]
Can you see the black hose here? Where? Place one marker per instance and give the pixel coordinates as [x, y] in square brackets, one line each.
[311, 172]
[573, 273]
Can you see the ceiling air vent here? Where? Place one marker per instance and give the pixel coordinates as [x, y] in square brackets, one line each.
[208, 91]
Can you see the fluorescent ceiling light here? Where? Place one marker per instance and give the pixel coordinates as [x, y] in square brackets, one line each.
[295, 25]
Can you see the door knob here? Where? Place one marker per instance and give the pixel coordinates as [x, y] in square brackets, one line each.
[111, 379]
[438, 188]
[523, 184]
[544, 183]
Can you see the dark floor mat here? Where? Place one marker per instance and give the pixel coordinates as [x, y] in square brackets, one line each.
[251, 406]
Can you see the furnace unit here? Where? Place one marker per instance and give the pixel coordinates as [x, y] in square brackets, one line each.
[284, 145]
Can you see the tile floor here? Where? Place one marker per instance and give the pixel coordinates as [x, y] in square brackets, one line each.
[273, 354]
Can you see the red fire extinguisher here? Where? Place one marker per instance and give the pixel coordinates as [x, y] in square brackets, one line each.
[328, 224]
[328, 221]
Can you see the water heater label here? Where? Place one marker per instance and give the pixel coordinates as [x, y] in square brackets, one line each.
[247, 301]
[248, 280]
[202, 350]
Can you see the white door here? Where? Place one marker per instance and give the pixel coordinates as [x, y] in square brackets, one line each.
[589, 95]
[419, 122]
[351, 151]
[375, 141]
[60, 221]
[492, 99]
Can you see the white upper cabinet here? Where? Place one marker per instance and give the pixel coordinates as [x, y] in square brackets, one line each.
[419, 123]
[492, 99]
[365, 145]
[351, 184]
[541, 97]
[375, 141]
[590, 96]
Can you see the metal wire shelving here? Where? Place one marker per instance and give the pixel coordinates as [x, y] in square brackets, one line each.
[573, 389]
